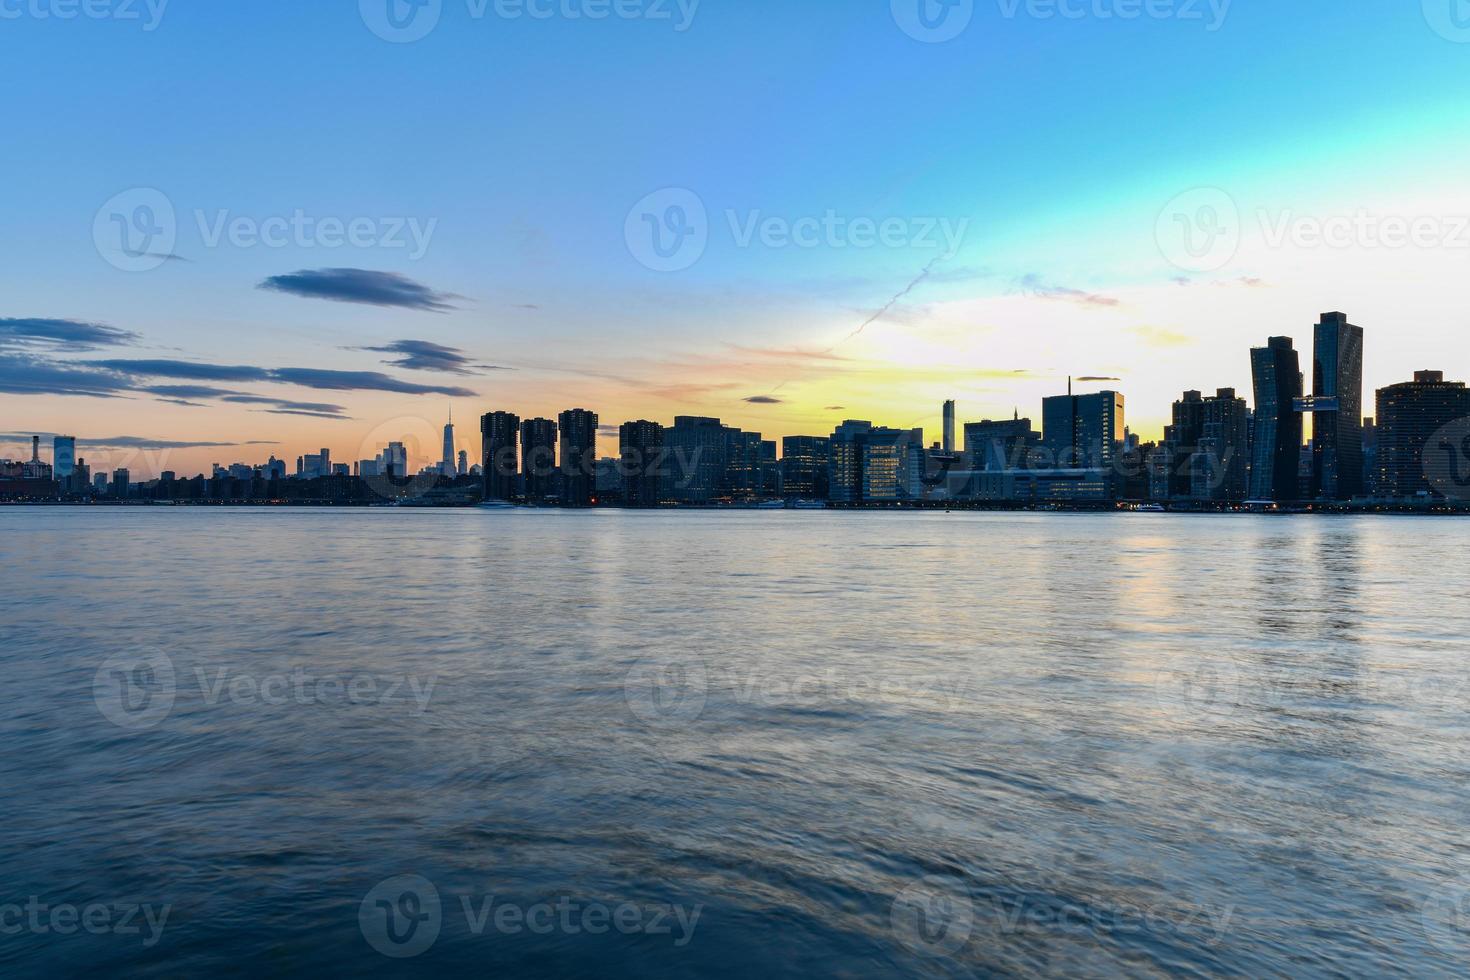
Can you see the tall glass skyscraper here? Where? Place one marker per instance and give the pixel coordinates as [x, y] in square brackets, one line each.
[642, 463]
[1337, 400]
[1277, 372]
[697, 454]
[1083, 431]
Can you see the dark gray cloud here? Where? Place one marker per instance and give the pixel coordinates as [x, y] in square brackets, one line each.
[326, 380]
[314, 415]
[180, 401]
[70, 336]
[319, 378]
[184, 370]
[186, 391]
[132, 442]
[316, 408]
[1096, 377]
[423, 355]
[362, 286]
[21, 374]
[763, 400]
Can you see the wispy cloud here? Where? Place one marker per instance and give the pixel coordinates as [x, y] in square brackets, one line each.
[133, 442]
[1032, 285]
[423, 355]
[1161, 336]
[22, 374]
[363, 286]
[318, 378]
[61, 336]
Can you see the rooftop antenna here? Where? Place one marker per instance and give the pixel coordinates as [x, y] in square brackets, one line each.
[1069, 386]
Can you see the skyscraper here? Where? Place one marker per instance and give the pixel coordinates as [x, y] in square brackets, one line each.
[949, 408]
[697, 452]
[1276, 370]
[642, 445]
[63, 458]
[578, 457]
[1409, 415]
[1337, 404]
[845, 476]
[1003, 445]
[804, 462]
[498, 434]
[1083, 431]
[538, 459]
[1219, 468]
[446, 465]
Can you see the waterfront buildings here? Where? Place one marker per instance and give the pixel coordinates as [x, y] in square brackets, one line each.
[578, 429]
[1083, 431]
[804, 465]
[1275, 457]
[697, 453]
[1412, 418]
[538, 460]
[1337, 407]
[642, 445]
[499, 432]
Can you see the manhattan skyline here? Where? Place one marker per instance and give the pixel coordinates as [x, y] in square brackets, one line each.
[498, 261]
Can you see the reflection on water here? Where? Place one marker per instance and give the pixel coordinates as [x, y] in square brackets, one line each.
[606, 744]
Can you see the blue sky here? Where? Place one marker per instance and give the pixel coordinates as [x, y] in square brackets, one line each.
[525, 142]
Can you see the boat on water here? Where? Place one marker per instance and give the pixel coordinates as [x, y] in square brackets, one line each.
[1151, 509]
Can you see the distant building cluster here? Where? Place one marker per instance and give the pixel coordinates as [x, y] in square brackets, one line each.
[1218, 452]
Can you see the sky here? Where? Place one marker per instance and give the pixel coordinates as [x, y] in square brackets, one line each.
[236, 230]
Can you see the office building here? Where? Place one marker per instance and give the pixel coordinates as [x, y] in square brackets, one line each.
[538, 459]
[499, 432]
[446, 463]
[893, 465]
[1337, 407]
[1082, 431]
[1277, 441]
[63, 459]
[1219, 466]
[697, 451]
[121, 481]
[745, 464]
[1001, 445]
[949, 410]
[804, 463]
[578, 430]
[1411, 418]
[642, 446]
[845, 474]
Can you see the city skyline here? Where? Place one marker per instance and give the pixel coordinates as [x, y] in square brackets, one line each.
[505, 268]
